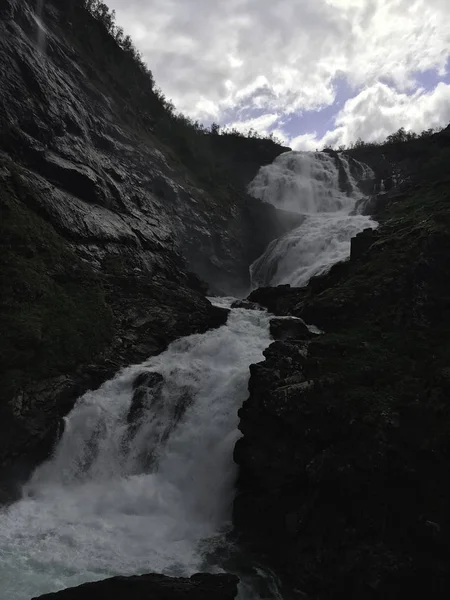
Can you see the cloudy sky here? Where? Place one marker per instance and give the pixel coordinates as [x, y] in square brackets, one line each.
[314, 72]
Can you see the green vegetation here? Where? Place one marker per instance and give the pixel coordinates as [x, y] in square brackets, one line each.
[399, 137]
[106, 17]
[123, 69]
[113, 59]
[53, 314]
[375, 426]
[388, 349]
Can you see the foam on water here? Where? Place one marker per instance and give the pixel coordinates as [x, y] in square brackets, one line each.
[308, 183]
[99, 508]
[154, 492]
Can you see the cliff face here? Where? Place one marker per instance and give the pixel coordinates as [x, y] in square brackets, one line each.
[97, 157]
[198, 587]
[243, 156]
[105, 212]
[400, 164]
[345, 451]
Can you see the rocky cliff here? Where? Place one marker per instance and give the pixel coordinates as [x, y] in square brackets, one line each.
[345, 451]
[397, 164]
[156, 587]
[108, 204]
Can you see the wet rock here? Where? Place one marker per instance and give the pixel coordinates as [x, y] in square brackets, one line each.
[76, 320]
[147, 391]
[277, 300]
[358, 415]
[247, 305]
[373, 205]
[104, 176]
[154, 587]
[289, 328]
[362, 242]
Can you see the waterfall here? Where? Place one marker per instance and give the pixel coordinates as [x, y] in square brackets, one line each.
[142, 479]
[143, 475]
[325, 190]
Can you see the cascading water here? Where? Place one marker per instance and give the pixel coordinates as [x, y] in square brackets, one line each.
[141, 476]
[142, 479]
[311, 184]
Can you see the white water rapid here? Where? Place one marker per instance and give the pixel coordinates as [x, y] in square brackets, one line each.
[308, 183]
[142, 479]
[123, 498]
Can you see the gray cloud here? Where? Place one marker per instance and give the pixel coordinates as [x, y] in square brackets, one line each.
[215, 58]
[379, 111]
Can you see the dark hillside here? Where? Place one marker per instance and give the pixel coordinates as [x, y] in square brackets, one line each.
[109, 201]
[346, 447]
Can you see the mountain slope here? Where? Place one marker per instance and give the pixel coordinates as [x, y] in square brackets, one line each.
[345, 453]
[109, 201]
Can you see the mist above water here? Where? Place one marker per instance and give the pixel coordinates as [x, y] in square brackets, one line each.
[124, 496]
[310, 184]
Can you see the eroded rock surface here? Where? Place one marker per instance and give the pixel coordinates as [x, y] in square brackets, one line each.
[289, 328]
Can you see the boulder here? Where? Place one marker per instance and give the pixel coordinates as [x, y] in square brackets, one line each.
[247, 305]
[277, 300]
[362, 242]
[289, 328]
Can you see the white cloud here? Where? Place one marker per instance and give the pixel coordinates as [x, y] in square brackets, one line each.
[262, 124]
[380, 110]
[306, 141]
[214, 58]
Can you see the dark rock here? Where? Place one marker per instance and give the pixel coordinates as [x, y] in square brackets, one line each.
[246, 304]
[289, 328]
[72, 323]
[338, 431]
[404, 163]
[362, 242]
[373, 205]
[196, 283]
[154, 587]
[104, 176]
[149, 403]
[147, 389]
[244, 156]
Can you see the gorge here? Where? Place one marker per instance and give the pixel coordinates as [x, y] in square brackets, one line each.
[153, 422]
